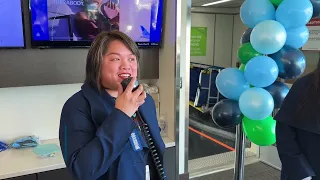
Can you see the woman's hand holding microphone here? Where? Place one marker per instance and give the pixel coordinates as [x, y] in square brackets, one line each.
[128, 101]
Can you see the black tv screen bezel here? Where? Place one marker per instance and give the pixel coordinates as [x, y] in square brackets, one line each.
[23, 32]
[85, 44]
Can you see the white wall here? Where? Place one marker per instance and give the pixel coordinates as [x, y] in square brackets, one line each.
[33, 110]
[219, 37]
[167, 56]
[312, 58]
[238, 29]
[223, 43]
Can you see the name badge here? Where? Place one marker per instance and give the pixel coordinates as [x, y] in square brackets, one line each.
[135, 141]
[147, 173]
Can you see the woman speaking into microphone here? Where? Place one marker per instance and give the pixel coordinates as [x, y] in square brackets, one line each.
[108, 132]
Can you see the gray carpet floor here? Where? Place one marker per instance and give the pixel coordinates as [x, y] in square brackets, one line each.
[256, 171]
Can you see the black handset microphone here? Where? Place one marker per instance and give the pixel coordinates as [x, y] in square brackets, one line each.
[127, 81]
[145, 130]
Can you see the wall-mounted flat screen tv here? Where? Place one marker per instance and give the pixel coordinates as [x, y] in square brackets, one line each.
[11, 24]
[75, 23]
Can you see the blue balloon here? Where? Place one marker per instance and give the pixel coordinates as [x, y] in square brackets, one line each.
[253, 12]
[231, 83]
[278, 91]
[291, 62]
[316, 8]
[294, 13]
[268, 37]
[297, 37]
[246, 36]
[261, 71]
[256, 103]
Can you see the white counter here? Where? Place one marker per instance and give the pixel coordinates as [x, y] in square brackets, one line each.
[19, 162]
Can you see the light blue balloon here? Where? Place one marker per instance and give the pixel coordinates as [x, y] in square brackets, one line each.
[231, 83]
[256, 103]
[261, 71]
[294, 13]
[253, 12]
[297, 37]
[268, 37]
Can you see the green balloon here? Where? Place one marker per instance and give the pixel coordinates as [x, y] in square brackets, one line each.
[276, 2]
[260, 132]
[242, 66]
[246, 52]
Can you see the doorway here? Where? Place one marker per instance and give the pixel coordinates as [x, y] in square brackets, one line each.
[215, 32]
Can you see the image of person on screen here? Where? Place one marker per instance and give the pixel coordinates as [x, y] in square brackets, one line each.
[97, 16]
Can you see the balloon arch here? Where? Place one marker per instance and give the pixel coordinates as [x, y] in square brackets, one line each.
[269, 52]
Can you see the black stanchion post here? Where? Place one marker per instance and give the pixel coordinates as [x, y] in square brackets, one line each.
[240, 151]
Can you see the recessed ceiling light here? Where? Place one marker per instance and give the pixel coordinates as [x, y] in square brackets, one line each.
[216, 2]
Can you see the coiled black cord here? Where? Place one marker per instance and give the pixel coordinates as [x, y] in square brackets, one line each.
[153, 150]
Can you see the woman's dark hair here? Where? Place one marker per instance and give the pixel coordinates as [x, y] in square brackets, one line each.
[99, 48]
[311, 96]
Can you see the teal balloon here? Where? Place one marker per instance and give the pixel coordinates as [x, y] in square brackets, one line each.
[294, 13]
[253, 12]
[268, 37]
[256, 103]
[297, 37]
[261, 71]
[231, 83]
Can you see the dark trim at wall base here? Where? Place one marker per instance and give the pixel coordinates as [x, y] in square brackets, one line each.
[184, 176]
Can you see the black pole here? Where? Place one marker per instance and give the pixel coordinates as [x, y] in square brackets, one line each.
[240, 153]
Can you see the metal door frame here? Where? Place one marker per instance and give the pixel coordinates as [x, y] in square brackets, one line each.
[182, 76]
